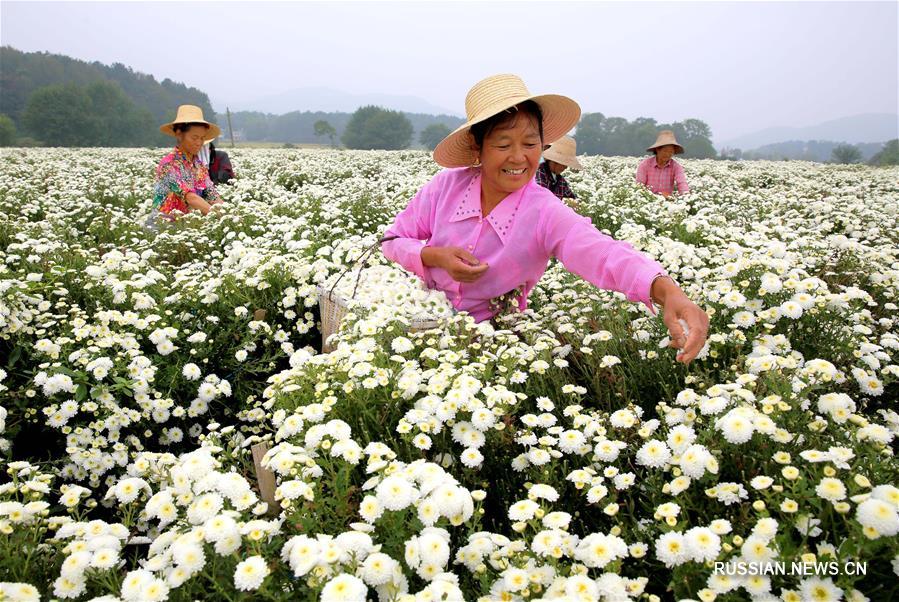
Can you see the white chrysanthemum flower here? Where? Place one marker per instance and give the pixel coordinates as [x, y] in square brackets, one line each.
[694, 461]
[596, 493]
[571, 441]
[887, 493]
[761, 482]
[597, 550]
[581, 587]
[831, 489]
[378, 569]
[791, 309]
[471, 457]
[622, 419]
[127, 490]
[543, 492]
[653, 454]
[737, 425]
[671, 549]
[250, 573]
[204, 507]
[820, 590]
[703, 545]
[395, 493]
[608, 450]
[134, 584]
[189, 556]
[344, 588]
[191, 371]
[19, 592]
[515, 579]
[370, 509]
[557, 520]
[74, 565]
[433, 547]
[879, 516]
[302, 553]
[680, 438]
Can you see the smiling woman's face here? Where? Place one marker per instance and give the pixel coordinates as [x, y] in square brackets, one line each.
[510, 156]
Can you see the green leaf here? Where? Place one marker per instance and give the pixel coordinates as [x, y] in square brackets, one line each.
[14, 356]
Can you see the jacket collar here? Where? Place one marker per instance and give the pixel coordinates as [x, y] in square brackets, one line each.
[503, 215]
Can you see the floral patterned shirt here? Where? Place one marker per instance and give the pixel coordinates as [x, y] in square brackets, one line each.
[176, 175]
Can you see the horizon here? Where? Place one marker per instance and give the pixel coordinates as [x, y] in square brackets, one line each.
[439, 112]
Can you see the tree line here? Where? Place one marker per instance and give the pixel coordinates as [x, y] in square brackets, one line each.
[299, 127]
[873, 153]
[596, 134]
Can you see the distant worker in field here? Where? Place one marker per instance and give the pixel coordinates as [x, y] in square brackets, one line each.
[661, 173]
[182, 180]
[218, 163]
[560, 155]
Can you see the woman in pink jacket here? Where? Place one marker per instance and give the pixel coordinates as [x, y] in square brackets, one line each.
[484, 230]
[660, 172]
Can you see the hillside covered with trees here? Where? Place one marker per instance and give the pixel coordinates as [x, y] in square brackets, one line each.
[56, 100]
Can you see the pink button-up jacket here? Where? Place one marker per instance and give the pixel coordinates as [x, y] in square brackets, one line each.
[517, 240]
[661, 180]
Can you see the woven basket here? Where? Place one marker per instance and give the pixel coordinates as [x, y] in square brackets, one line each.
[333, 308]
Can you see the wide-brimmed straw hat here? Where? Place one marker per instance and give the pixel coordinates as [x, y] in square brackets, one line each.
[665, 138]
[564, 151]
[190, 114]
[494, 95]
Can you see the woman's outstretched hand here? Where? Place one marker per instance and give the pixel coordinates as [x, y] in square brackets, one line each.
[678, 311]
[461, 265]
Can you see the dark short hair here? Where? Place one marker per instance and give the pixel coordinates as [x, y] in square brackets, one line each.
[481, 130]
[184, 127]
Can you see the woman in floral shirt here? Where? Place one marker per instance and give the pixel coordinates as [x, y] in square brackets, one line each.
[182, 180]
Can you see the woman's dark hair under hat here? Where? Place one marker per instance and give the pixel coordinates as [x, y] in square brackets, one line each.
[481, 130]
[184, 127]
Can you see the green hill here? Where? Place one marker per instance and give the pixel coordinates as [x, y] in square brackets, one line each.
[123, 107]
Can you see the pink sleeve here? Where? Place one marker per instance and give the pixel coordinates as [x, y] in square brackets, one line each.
[641, 173]
[412, 226]
[600, 259]
[681, 179]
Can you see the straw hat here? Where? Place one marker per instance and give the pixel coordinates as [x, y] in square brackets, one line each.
[494, 95]
[665, 138]
[564, 151]
[190, 114]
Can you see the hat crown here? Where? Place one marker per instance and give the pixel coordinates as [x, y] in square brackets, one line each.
[492, 91]
[665, 138]
[565, 146]
[188, 114]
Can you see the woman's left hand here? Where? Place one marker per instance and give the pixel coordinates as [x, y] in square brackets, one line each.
[676, 306]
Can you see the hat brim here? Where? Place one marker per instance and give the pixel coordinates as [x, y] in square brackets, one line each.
[566, 160]
[560, 114]
[678, 149]
[212, 133]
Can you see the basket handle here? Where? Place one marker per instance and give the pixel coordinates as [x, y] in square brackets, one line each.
[361, 261]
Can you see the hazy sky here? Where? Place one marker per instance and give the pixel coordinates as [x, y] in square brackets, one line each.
[740, 66]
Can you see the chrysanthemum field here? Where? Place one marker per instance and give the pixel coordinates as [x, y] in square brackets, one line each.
[561, 453]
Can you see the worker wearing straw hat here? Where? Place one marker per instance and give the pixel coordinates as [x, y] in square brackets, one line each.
[661, 173]
[560, 155]
[483, 231]
[182, 180]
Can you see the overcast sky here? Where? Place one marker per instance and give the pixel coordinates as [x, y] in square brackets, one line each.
[739, 66]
